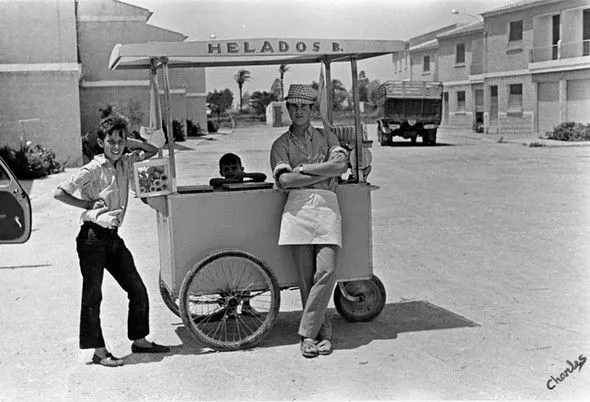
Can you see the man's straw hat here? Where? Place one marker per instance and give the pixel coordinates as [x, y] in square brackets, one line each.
[302, 94]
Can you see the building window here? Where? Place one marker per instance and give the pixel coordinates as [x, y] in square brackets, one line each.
[555, 36]
[460, 54]
[586, 33]
[460, 101]
[515, 31]
[426, 64]
[515, 98]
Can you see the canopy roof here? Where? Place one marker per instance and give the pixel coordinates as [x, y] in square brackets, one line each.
[248, 52]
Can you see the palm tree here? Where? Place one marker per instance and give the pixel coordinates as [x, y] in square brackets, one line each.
[241, 77]
[282, 70]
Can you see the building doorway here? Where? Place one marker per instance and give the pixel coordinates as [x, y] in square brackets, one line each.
[445, 108]
[478, 123]
[493, 109]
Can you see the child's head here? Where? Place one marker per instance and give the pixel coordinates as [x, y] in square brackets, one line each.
[112, 136]
[230, 166]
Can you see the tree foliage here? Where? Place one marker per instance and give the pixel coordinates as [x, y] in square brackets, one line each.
[241, 77]
[275, 88]
[220, 101]
[282, 70]
[260, 100]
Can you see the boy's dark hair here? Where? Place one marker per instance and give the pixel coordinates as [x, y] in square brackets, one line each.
[229, 159]
[111, 124]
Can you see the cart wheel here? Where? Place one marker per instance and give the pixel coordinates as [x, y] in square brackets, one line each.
[169, 300]
[369, 295]
[229, 300]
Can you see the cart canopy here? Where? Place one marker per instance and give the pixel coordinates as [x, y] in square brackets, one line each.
[248, 52]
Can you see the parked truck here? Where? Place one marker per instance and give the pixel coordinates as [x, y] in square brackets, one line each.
[409, 109]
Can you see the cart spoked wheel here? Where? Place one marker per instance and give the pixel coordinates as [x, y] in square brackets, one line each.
[169, 300]
[361, 300]
[229, 300]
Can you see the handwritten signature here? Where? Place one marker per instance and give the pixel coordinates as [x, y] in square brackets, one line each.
[577, 364]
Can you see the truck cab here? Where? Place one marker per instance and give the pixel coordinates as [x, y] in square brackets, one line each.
[409, 109]
[15, 208]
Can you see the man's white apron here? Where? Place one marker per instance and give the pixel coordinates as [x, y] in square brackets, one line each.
[311, 216]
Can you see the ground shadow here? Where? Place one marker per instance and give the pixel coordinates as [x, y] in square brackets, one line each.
[181, 147]
[25, 266]
[402, 144]
[396, 318]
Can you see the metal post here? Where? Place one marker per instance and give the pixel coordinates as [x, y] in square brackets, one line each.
[155, 97]
[328, 84]
[357, 122]
[168, 120]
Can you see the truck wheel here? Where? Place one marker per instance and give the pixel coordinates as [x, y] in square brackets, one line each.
[433, 137]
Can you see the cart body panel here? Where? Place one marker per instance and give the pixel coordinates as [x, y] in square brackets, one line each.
[202, 223]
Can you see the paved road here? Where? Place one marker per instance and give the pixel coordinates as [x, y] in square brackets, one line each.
[483, 249]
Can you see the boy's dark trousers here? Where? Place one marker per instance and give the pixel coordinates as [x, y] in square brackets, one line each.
[99, 249]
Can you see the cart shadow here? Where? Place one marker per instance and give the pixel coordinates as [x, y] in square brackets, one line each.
[395, 318]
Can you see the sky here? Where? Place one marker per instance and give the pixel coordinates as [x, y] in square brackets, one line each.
[322, 19]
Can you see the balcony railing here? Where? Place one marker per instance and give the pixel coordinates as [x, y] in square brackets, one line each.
[561, 51]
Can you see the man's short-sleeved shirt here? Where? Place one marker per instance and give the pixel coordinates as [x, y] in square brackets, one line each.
[289, 151]
[100, 179]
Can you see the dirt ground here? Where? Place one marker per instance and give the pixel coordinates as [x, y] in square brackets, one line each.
[482, 247]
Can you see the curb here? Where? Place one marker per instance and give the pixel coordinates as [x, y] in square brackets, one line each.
[530, 142]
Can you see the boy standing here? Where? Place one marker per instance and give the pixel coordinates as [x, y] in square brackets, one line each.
[232, 171]
[103, 185]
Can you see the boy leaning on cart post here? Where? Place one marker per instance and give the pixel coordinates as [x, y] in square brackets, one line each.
[103, 185]
[307, 163]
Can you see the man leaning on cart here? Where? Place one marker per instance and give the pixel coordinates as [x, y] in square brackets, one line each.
[307, 163]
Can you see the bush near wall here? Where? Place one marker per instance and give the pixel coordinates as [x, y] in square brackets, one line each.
[570, 131]
[31, 161]
[194, 130]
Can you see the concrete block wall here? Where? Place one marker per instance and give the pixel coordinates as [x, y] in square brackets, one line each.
[515, 124]
[42, 107]
[460, 121]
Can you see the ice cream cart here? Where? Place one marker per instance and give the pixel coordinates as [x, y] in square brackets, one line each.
[221, 269]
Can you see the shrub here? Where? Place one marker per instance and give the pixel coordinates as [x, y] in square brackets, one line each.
[212, 127]
[570, 131]
[177, 130]
[194, 130]
[31, 161]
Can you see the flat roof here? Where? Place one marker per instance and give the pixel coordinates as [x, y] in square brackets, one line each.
[248, 52]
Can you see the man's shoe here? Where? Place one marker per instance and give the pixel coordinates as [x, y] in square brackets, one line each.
[308, 348]
[153, 348]
[108, 361]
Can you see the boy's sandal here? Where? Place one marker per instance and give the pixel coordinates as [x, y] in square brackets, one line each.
[324, 346]
[108, 361]
[308, 348]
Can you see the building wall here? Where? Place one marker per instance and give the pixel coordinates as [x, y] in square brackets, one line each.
[39, 77]
[417, 62]
[37, 31]
[533, 62]
[42, 107]
[103, 24]
[448, 69]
